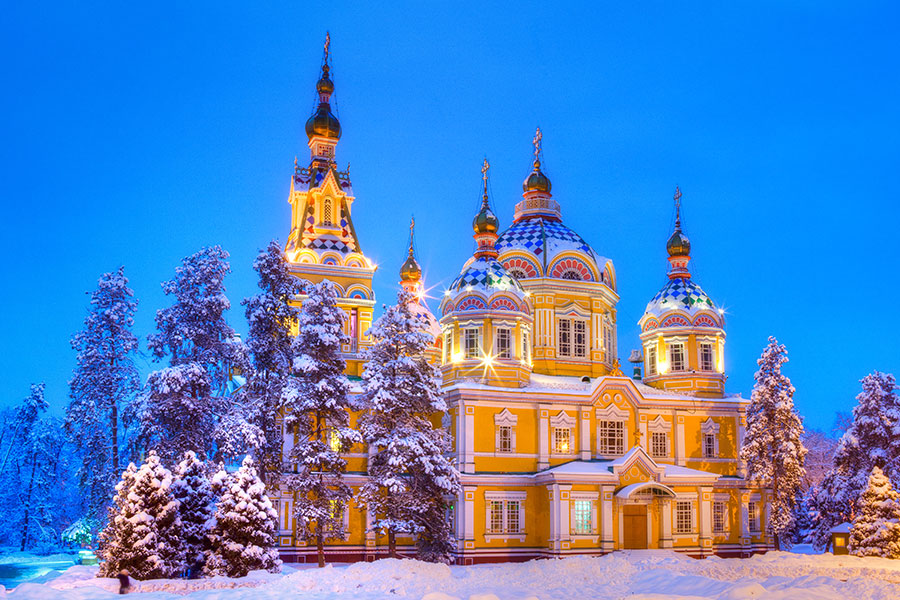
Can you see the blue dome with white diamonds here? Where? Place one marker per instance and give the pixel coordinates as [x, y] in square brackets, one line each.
[680, 294]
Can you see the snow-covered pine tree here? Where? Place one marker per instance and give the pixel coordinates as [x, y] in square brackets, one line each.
[316, 404]
[773, 449]
[876, 526]
[144, 532]
[196, 507]
[410, 476]
[180, 407]
[270, 316]
[104, 381]
[243, 536]
[872, 440]
[39, 482]
[23, 420]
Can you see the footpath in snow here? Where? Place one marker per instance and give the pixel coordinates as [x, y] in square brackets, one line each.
[634, 575]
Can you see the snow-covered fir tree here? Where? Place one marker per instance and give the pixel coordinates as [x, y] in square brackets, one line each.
[876, 526]
[144, 531]
[242, 538]
[410, 475]
[773, 449]
[317, 404]
[270, 316]
[40, 479]
[181, 407]
[872, 440]
[104, 381]
[196, 506]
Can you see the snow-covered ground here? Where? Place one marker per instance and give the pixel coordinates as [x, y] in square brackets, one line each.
[635, 575]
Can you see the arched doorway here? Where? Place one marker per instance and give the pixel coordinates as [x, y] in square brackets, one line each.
[636, 503]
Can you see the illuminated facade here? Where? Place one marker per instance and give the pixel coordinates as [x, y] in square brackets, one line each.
[559, 452]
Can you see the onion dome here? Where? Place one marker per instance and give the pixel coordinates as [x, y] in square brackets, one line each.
[537, 181]
[411, 272]
[678, 244]
[485, 221]
[323, 123]
[681, 294]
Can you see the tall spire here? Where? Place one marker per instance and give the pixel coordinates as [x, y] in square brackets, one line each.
[678, 246]
[537, 181]
[411, 272]
[485, 223]
[323, 123]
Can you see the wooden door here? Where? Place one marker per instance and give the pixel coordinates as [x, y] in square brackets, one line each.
[635, 526]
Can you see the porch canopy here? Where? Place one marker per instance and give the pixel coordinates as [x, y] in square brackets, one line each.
[652, 487]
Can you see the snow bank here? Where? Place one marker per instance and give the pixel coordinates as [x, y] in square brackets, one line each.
[647, 575]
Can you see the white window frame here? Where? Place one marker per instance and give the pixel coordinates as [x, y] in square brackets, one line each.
[612, 413]
[678, 511]
[468, 333]
[701, 364]
[754, 519]
[507, 500]
[659, 426]
[448, 346]
[720, 516]
[652, 363]
[526, 348]
[583, 497]
[568, 326]
[505, 418]
[670, 347]
[559, 423]
[503, 332]
[709, 428]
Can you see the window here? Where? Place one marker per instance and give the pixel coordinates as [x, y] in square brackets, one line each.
[607, 343]
[709, 445]
[526, 349]
[676, 357]
[471, 342]
[753, 516]
[572, 338]
[611, 438]
[659, 444]
[334, 440]
[561, 440]
[504, 343]
[448, 346]
[719, 517]
[326, 212]
[684, 516]
[651, 360]
[496, 516]
[707, 360]
[582, 517]
[505, 516]
[565, 337]
[504, 439]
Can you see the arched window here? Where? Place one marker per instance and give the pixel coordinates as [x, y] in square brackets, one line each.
[517, 273]
[326, 212]
[571, 274]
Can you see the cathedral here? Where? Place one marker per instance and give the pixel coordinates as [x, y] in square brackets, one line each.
[559, 452]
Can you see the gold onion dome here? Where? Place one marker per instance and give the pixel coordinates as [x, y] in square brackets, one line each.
[678, 244]
[485, 221]
[410, 271]
[537, 181]
[323, 123]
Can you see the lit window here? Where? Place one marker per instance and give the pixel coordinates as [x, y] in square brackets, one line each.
[565, 337]
[659, 444]
[651, 360]
[707, 360]
[471, 343]
[496, 516]
[561, 440]
[334, 440]
[583, 517]
[684, 517]
[504, 439]
[448, 346]
[676, 357]
[719, 517]
[709, 445]
[611, 438]
[753, 516]
[504, 343]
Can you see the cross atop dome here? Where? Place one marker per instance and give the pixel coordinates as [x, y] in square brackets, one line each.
[323, 128]
[678, 246]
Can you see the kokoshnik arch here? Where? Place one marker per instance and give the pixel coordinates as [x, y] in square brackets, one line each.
[559, 452]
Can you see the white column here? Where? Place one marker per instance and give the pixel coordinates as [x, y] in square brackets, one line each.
[645, 443]
[705, 500]
[741, 471]
[679, 441]
[565, 530]
[543, 437]
[287, 445]
[585, 435]
[745, 515]
[468, 521]
[665, 518]
[607, 539]
[469, 453]
[553, 491]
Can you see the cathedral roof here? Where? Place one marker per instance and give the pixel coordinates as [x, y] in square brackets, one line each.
[486, 275]
[680, 294]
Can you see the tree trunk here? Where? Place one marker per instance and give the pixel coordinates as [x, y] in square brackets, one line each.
[392, 543]
[28, 501]
[320, 546]
[114, 422]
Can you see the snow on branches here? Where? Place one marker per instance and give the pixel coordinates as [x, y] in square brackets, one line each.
[773, 449]
[410, 475]
[876, 526]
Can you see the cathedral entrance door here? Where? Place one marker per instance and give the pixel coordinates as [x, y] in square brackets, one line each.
[635, 526]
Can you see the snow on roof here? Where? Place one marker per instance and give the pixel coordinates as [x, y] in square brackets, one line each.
[581, 467]
[677, 471]
[628, 490]
[842, 528]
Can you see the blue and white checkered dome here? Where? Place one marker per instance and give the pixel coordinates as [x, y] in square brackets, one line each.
[680, 294]
[485, 275]
[545, 239]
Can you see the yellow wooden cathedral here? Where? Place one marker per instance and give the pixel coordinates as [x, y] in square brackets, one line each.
[559, 452]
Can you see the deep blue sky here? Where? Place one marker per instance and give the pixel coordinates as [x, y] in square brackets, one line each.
[135, 134]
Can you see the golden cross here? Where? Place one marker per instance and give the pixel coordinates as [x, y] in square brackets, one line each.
[677, 207]
[677, 195]
[484, 170]
[327, 44]
[538, 136]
